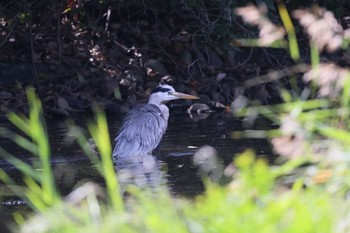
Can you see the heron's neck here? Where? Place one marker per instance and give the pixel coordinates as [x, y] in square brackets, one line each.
[154, 100]
[162, 107]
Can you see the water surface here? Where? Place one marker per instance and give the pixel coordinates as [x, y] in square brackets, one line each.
[171, 165]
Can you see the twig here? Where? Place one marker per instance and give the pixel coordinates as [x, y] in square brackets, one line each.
[121, 46]
[108, 18]
[34, 68]
[59, 46]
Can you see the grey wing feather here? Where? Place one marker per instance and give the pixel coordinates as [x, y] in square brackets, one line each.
[141, 132]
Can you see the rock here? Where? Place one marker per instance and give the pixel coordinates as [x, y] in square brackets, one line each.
[220, 76]
[62, 104]
[167, 79]
[198, 108]
[216, 104]
[208, 163]
[154, 67]
[199, 111]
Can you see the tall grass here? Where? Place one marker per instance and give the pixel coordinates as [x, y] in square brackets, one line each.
[102, 160]
[257, 200]
[292, 38]
[40, 191]
[315, 123]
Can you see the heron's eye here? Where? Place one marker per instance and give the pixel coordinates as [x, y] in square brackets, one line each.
[170, 93]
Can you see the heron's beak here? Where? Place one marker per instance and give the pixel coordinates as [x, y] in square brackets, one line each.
[180, 95]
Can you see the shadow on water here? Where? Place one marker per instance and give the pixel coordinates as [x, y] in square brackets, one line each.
[172, 164]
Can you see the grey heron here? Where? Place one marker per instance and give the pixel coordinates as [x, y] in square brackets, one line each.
[145, 125]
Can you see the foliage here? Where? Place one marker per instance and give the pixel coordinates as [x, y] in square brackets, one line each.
[40, 191]
[105, 49]
[317, 128]
[255, 200]
[314, 126]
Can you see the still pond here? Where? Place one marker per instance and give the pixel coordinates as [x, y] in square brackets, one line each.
[172, 164]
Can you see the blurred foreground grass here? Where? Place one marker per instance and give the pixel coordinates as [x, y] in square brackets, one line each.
[256, 200]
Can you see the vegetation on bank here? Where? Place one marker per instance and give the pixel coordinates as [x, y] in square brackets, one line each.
[306, 192]
[112, 52]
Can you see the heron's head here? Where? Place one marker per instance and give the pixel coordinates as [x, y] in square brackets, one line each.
[166, 92]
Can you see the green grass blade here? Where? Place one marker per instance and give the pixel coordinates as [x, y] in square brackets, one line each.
[334, 133]
[315, 55]
[35, 194]
[100, 135]
[39, 136]
[80, 138]
[11, 184]
[287, 22]
[21, 122]
[23, 167]
[19, 140]
[278, 44]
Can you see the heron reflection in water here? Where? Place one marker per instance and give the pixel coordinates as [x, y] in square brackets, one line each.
[145, 125]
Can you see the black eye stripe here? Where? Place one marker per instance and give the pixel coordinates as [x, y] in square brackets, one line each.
[161, 89]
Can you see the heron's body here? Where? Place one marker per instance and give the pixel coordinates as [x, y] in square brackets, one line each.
[145, 125]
